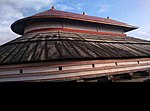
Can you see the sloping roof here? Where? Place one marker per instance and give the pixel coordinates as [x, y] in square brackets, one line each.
[18, 26]
[65, 45]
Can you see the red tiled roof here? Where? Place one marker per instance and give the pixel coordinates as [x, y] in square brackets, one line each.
[18, 26]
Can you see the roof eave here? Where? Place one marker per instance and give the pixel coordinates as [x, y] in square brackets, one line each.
[19, 26]
[127, 29]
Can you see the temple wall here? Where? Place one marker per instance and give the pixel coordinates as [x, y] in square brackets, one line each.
[70, 70]
[15, 71]
[83, 26]
[41, 25]
[75, 75]
[42, 69]
[74, 25]
[110, 29]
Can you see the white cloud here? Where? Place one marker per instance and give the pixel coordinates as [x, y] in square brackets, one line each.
[103, 8]
[143, 33]
[64, 7]
[9, 15]
[6, 34]
[12, 10]
[140, 34]
[69, 7]
[34, 4]
[79, 6]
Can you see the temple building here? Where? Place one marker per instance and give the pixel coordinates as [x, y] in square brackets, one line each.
[61, 46]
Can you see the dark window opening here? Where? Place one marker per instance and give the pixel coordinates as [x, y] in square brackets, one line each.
[116, 63]
[21, 71]
[60, 68]
[93, 65]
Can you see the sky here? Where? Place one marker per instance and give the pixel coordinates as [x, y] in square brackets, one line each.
[133, 12]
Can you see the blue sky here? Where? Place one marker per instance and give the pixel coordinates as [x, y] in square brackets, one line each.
[134, 12]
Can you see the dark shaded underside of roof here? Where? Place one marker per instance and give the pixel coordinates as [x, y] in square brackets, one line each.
[65, 46]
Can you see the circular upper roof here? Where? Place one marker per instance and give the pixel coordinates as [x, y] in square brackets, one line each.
[19, 26]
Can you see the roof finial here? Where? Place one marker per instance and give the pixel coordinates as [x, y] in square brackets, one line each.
[53, 8]
[83, 13]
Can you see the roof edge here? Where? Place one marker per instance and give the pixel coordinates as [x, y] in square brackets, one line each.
[19, 25]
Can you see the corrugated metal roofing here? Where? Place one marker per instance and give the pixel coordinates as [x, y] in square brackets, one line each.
[65, 45]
